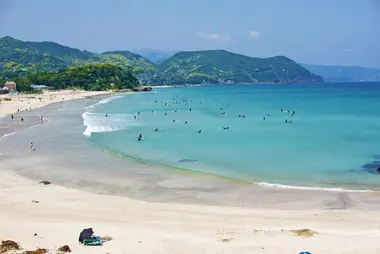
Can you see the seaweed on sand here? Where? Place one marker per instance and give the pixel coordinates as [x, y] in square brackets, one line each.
[8, 245]
[304, 232]
[38, 251]
[64, 248]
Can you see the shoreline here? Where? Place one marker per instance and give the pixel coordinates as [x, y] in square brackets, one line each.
[261, 184]
[142, 161]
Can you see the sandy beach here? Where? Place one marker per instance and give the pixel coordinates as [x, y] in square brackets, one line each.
[24, 102]
[49, 216]
[143, 227]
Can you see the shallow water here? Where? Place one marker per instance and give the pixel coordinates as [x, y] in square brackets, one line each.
[332, 141]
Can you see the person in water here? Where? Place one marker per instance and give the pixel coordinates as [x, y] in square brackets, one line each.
[156, 129]
[226, 128]
[293, 113]
[140, 137]
[31, 147]
[200, 131]
[106, 114]
[186, 122]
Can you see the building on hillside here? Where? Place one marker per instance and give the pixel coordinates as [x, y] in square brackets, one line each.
[11, 86]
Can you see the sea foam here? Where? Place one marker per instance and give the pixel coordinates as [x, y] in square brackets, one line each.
[97, 122]
[282, 186]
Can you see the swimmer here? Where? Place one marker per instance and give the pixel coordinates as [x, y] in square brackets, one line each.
[293, 113]
[156, 129]
[200, 131]
[186, 122]
[226, 128]
[138, 113]
[264, 118]
[140, 137]
[106, 114]
[166, 114]
[189, 109]
[134, 117]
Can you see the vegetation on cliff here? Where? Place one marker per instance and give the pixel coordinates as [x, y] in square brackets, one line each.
[92, 77]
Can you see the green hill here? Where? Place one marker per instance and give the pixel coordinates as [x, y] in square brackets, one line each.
[19, 58]
[220, 66]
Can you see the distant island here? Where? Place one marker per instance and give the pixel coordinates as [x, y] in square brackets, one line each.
[335, 73]
[21, 60]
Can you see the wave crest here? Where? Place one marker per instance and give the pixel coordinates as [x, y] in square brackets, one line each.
[282, 186]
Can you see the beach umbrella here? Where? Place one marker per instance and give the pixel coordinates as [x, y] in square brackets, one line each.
[85, 234]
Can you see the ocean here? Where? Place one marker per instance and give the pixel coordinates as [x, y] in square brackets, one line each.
[306, 136]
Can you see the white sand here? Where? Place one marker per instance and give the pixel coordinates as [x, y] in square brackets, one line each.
[23, 102]
[141, 227]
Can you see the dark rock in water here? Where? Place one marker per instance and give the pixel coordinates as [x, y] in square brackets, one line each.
[371, 167]
[143, 89]
[187, 161]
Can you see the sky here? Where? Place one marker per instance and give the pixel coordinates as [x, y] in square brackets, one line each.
[331, 32]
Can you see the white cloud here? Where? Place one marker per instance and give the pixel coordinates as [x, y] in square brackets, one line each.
[254, 35]
[216, 37]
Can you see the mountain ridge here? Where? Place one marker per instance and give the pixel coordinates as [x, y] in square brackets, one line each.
[213, 66]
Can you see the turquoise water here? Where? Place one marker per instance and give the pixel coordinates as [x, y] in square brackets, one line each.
[333, 139]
